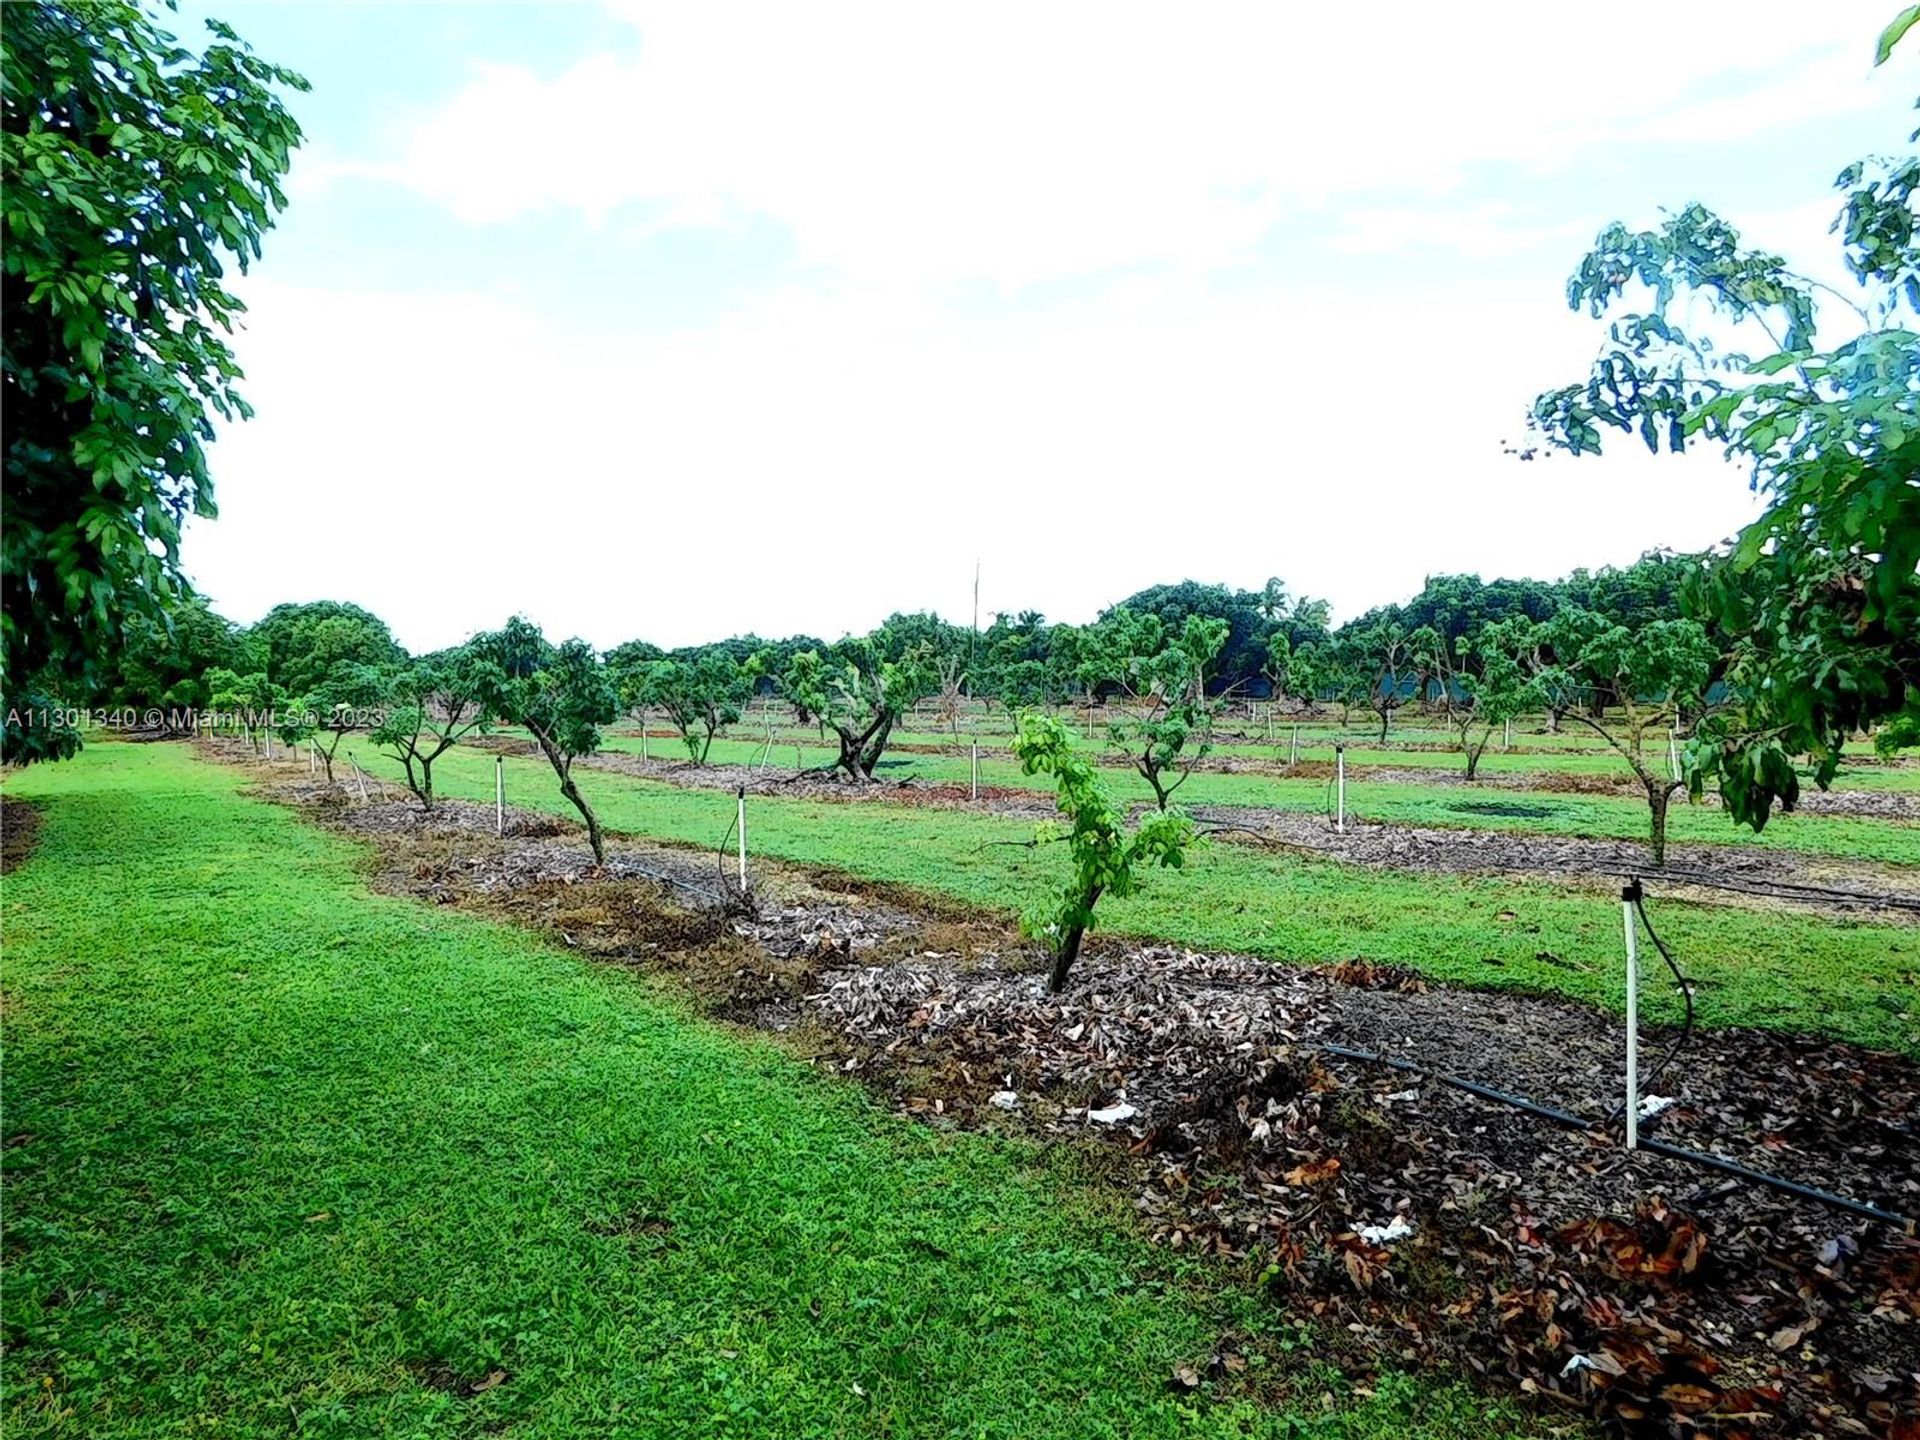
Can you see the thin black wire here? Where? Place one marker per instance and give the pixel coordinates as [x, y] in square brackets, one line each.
[1686, 994]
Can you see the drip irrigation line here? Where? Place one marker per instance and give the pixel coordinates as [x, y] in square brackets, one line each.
[1571, 1121]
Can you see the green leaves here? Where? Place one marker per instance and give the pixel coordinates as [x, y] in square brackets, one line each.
[131, 171]
[1895, 33]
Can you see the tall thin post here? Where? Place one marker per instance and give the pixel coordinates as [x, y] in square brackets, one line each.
[1629, 894]
[643, 735]
[743, 839]
[1340, 773]
[359, 778]
[976, 769]
[313, 758]
[269, 730]
[1507, 744]
[500, 795]
[1673, 752]
[1293, 753]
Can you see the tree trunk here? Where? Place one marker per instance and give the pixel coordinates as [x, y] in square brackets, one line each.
[594, 838]
[1473, 760]
[1383, 725]
[1069, 949]
[1657, 801]
[426, 783]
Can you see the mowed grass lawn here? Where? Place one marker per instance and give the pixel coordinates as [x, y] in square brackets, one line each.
[1445, 804]
[285, 1157]
[1788, 970]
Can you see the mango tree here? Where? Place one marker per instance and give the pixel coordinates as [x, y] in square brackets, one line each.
[1106, 858]
[1379, 665]
[1169, 724]
[560, 694]
[347, 698]
[431, 705]
[1657, 673]
[700, 694]
[858, 695]
[1500, 691]
[1822, 591]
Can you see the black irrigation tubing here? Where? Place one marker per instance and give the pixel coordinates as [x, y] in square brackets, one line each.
[1571, 1121]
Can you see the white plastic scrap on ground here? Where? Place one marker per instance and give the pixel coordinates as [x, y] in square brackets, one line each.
[1113, 1114]
[1397, 1228]
[1005, 1099]
[1652, 1105]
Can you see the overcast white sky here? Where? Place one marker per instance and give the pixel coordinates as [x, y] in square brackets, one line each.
[678, 321]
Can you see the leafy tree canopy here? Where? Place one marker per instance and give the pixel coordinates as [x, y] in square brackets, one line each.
[131, 171]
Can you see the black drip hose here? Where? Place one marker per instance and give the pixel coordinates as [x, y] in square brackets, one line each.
[1657, 1147]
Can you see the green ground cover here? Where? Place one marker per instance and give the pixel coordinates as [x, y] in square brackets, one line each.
[1786, 970]
[287, 1157]
[1595, 816]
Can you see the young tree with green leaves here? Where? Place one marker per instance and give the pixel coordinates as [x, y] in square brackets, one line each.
[1499, 691]
[1107, 859]
[346, 699]
[560, 694]
[1167, 726]
[1822, 590]
[1379, 656]
[1658, 674]
[431, 705]
[858, 695]
[701, 694]
[132, 171]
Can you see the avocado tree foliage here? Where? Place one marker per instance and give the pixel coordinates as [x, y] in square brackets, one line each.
[431, 705]
[131, 169]
[858, 695]
[347, 698]
[1820, 592]
[1106, 858]
[560, 694]
[1167, 726]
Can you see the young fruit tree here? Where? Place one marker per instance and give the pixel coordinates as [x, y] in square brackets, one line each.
[857, 694]
[1168, 725]
[344, 701]
[1823, 589]
[1501, 691]
[1658, 673]
[1106, 859]
[1380, 658]
[432, 704]
[559, 694]
[700, 695]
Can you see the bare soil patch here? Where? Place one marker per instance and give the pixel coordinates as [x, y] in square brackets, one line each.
[19, 833]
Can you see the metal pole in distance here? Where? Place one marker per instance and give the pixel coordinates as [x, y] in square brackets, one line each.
[500, 795]
[976, 769]
[1629, 894]
[1340, 770]
[743, 838]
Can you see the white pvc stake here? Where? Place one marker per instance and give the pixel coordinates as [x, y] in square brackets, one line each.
[643, 734]
[976, 769]
[1628, 894]
[1673, 753]
[1340, 767]
[359, 778]
[1293, 754]
[1509, 740]
[313, 758]
[1269, 722]
[500, 795]
[743, 839]
[269, 744]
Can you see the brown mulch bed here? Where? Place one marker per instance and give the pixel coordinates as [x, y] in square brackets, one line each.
[1418, 1224]
[19, 833]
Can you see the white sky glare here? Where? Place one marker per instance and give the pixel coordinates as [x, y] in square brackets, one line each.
[679, 321]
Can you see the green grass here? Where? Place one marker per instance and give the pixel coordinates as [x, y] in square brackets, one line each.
[281, 1148]
[1594, 816]
[1776, 969]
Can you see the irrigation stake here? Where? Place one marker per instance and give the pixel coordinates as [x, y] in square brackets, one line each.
[1293, 754]
[500, 795]
[359, 778]
[976, 769]
[313, 758]
[1508, 743]
[743, 839]
[1673, 751]
[1340, 768]
[269, 744]
[643, 735]
[1629, 893]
